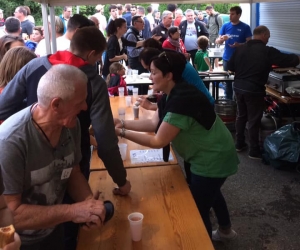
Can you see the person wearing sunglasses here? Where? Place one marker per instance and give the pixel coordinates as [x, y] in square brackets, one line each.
[186, 118]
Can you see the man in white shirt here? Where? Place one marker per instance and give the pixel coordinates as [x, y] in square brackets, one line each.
[190, 31]
[150, 17]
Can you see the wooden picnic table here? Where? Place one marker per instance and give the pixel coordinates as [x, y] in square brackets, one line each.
[171, 218]
[116, 102]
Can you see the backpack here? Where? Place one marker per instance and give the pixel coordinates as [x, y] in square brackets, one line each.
[216, 20]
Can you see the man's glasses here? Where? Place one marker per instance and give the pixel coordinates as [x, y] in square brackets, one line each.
[164, 54]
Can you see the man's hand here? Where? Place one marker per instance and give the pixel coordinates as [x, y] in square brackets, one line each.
[124, 57]
[156, 37]
[91, 212]
[236, 44]
[124, 190]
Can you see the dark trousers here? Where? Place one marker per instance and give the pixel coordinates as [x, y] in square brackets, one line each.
[207, 194]
[193, 53]
[228, 85]
[250, 109]
[187, 169]
[51, 242]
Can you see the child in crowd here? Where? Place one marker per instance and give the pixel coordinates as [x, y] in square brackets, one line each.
[202, 62]
[115, 79]
[36, 36]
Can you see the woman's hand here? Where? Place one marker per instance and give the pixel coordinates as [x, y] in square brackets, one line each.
[117, 123]
[140, 43]
[146, 104]
[118, 131]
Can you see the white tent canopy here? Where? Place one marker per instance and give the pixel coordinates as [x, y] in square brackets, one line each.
[95, 2]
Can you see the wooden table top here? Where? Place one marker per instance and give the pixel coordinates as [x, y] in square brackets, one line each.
[116, 102]
[280, 97]
[171, 218]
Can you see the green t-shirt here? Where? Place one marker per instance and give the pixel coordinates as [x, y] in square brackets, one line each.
[211, 153]
[199, 60]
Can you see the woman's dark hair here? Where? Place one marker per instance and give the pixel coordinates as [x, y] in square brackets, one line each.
[147, 54]
[5, 43]
[152, 43]
[113, 25]
[173, 62]
[172, 30]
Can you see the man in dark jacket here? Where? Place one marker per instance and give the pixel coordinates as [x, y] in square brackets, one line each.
[190, 31]
[133, 35]
[252, 63]
[162, 29]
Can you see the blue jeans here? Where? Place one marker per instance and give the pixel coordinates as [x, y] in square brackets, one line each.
[228, 86]
[207, 194]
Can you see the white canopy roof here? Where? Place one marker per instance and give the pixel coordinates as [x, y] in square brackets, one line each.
[95, 2]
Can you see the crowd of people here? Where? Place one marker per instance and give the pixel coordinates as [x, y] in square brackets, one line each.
[49, 101]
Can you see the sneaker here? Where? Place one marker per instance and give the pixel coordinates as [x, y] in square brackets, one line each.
[255, 155]
[219, 236]
[239, 147]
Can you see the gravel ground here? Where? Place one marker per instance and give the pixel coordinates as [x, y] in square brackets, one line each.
[264, 205]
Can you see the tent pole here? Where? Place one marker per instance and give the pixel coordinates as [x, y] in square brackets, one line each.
[53, 29]
[46, 27]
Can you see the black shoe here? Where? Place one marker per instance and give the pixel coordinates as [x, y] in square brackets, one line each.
[255, 155]
[239, 147]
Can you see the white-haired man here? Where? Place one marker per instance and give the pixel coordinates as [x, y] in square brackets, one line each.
[40, 148]
[162, 28]
[190, 31]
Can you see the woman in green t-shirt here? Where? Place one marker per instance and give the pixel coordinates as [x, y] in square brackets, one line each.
[186, 118]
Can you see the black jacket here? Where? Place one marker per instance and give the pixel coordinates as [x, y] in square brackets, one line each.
[252, 64]
[200, 27]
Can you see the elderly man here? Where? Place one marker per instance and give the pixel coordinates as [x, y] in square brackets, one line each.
[233, 33]
[162, 28]
[101, 18]
[250, 78]
[26, 25]
[133, 34]
[40, 148]
[83, 55]
[190, 31]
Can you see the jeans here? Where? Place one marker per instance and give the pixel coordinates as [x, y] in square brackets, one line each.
[228, 86]
[51, 242]
[250, 109]
[207, 194]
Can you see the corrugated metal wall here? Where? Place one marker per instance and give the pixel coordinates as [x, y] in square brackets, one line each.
[283, 20]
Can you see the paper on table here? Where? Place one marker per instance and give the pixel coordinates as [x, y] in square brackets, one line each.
[148, 155]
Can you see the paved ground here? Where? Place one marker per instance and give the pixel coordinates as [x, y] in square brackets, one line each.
[264, 204]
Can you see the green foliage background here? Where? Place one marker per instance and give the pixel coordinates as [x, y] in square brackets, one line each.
[9, 6]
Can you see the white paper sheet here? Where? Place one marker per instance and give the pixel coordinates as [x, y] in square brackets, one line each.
[148, 155]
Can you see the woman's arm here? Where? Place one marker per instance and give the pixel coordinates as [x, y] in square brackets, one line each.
[165, 134]
[118, 58]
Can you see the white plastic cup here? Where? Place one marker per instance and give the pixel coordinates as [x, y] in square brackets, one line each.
[135, 91]
[121, 112]
[121, 91]
[123, 150]
[135, 72]
[128, 101]
[129, 72]
[136, 225]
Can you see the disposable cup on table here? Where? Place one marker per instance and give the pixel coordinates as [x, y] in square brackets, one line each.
[135, 91]
[135, 72]
[121, 112]
[129, 72]
[128, 100]
[136, 225]
[121, 91]
[123, 150]
[135, 111]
